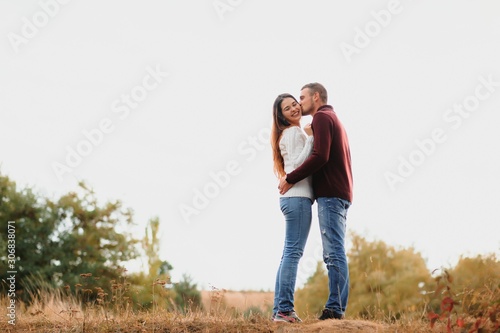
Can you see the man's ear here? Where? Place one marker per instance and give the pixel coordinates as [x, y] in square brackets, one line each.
[316, 96]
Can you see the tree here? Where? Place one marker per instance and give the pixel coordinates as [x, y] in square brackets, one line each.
[476, 283]
[94, 237]
[187, 296]
[34, 221]
[467, 297]
[60, 240]
[151, 288]
[312, 297]
[384, 282]
[151, 246]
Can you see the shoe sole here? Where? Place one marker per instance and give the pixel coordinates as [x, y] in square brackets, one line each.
[287, 320]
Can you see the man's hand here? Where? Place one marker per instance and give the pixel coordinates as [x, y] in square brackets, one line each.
[284, 186]
[308, 129]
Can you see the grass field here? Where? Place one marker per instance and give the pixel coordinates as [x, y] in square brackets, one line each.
[49, 322]
[237, 301]
[224, 311]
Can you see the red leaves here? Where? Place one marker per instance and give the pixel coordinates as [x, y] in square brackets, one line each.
[446, 308]
[447, 304]
[478, 313]
[433, 317]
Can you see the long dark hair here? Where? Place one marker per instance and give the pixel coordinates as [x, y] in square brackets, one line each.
[279, 125]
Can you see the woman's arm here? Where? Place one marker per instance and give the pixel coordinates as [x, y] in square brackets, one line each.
[323, 129]
[291, 145]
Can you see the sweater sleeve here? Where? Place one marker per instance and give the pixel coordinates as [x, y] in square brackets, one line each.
[322, 132]
[306, 151]
[290, 144]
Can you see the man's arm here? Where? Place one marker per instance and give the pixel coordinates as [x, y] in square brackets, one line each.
[322, 132]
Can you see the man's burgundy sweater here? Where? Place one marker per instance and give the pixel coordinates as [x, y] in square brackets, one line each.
[330, 161]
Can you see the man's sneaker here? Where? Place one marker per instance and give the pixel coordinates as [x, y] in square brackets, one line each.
[289, 317]
[330, 314]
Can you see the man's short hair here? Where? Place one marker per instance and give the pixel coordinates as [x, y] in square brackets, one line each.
[317, 87]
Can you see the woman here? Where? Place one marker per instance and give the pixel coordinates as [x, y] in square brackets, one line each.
[291, 147]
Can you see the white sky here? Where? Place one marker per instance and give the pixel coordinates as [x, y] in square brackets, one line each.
[63, 71]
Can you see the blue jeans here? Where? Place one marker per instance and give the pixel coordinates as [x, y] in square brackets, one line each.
[297, 212]
[332, 223]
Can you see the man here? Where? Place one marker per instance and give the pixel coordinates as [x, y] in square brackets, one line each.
[330, 166]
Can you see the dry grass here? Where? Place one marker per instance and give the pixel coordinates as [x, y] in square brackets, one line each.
[237, 301]
[57, 312]
[224, 311]
[194, 322]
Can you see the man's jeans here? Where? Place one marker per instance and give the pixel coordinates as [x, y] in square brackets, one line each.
[332, 223]
[297, 212]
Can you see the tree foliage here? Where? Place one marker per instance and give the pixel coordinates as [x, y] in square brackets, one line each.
[60, 240]
[187, 296]
[36, 248]
[95, 238]
[477, 272]
[384, 282]
[79, 244]
[312, 298]
[151, 289]
[467, 297]
[476, 283]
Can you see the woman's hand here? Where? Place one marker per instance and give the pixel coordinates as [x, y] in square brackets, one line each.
[284, 186]
[308, 129]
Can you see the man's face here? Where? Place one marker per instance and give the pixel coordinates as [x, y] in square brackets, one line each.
[306, 100]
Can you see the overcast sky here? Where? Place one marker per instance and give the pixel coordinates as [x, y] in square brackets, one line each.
[166, 105]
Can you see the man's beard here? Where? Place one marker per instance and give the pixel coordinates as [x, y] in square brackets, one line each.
[306, 112]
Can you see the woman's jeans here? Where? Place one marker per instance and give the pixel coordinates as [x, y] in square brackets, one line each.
[297, 212]
[332, 223]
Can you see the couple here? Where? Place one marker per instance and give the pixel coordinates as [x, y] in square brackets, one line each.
[315, 165]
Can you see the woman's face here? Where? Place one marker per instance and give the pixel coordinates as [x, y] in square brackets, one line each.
[292, 111]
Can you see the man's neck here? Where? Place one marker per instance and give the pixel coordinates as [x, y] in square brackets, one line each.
[316, 110]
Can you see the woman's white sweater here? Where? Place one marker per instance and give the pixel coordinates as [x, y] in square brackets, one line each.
[295, 148]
